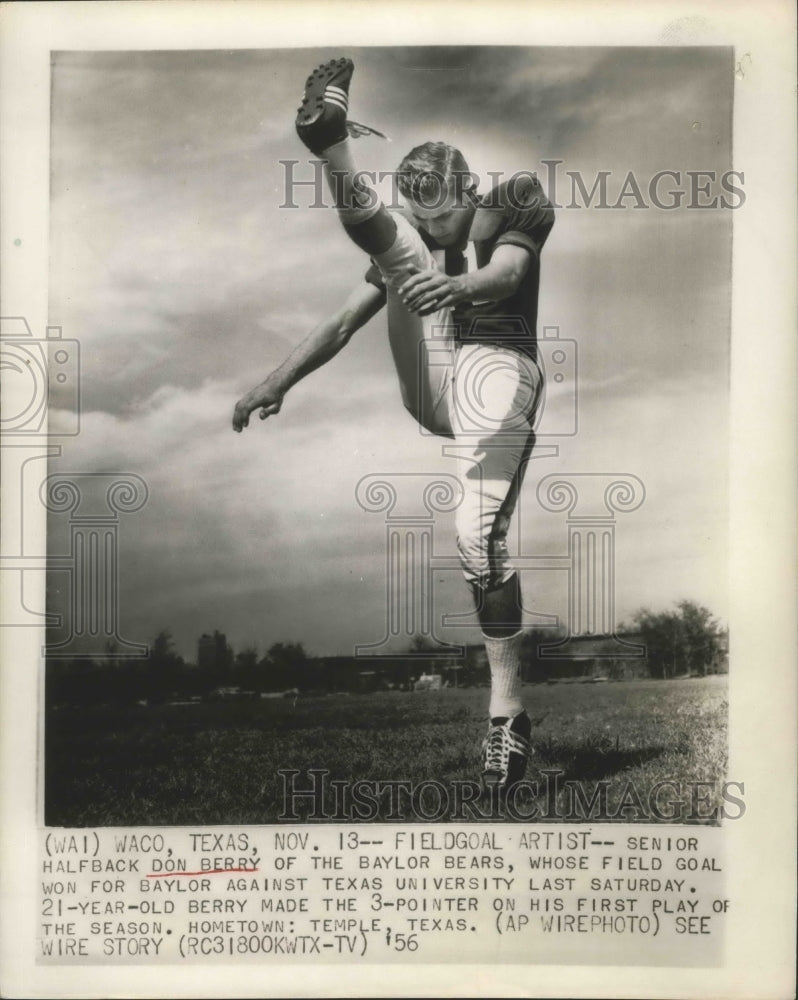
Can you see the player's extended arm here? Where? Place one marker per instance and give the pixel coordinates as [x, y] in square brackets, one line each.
[498, 279]
[321, 344]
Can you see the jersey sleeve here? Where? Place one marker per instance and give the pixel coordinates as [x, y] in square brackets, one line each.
[527, 214]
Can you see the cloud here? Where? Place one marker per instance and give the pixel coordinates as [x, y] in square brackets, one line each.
[238, 529]
[169, 246]
[185, 282]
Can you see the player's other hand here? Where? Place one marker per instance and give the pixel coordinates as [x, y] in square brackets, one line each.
[428, 291]
[264, 397]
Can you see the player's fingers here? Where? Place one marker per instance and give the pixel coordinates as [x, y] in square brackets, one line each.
[420, 294]
[421, 278]
[440, 298]
[434, 295]
[433, 307]
[269, 409]
[426, 280]
[411, 272]
[408, 285]
[436, 299]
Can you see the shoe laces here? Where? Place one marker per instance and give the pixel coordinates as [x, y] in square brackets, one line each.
[357, 131]
[500, 742]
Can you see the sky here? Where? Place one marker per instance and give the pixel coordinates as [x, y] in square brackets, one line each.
[186, 282]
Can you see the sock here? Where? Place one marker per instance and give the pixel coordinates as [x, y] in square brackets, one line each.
[364, 217]
[355, 201]
[504, 657]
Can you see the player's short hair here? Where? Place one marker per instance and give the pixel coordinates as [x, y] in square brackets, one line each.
[432, 171]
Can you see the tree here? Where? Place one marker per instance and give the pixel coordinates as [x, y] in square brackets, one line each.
[247, 658]
[535, 667]
[165, 666]
[286, 666]
[678, 642]
[245, 667]
[702, 637]
[660, 634]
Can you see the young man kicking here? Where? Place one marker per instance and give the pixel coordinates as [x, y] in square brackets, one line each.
[463, 343]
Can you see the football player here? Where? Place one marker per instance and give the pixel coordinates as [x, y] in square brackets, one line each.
[478, 325]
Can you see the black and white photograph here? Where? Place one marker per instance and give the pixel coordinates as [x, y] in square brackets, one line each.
[478, 487]
[381, 407]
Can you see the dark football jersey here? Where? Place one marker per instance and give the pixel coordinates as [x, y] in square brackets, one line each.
[515, 212]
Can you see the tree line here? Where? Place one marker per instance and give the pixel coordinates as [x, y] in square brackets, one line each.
[686, 640]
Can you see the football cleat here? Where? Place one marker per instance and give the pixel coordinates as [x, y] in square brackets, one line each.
[321, 119]
[505, 753]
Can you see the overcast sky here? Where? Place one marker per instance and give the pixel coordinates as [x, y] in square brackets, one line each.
[185, 282]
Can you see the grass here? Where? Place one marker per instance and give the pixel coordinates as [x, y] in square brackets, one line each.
[217, 763]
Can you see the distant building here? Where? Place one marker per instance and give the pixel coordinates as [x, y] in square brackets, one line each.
[212, 652]
[428, 682]
[231, 692]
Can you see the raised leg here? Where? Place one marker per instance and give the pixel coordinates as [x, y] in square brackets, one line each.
[321, 124]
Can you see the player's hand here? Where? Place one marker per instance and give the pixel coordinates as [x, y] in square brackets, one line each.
[266, 397]
[428, 291]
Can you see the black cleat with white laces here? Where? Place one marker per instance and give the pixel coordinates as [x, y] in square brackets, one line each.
[505, 753]
[321, 119]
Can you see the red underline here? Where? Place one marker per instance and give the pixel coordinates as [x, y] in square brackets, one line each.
[211, 871]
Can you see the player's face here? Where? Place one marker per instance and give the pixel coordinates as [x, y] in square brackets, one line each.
[447, 221]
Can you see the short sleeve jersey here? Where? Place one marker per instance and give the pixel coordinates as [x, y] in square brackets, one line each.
[514, 212]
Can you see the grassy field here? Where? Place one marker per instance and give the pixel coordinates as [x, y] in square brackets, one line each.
[216, 763]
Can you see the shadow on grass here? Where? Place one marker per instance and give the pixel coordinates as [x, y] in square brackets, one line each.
[591, 763]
